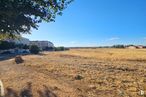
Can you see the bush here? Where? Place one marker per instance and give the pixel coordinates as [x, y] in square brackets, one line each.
[4, 45]
[25, 46]
[118, 46]
[20, 46]
[66, 49]
[34, 49]
[48, 49]
[60, 48]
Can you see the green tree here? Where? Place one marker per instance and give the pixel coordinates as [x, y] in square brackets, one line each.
[118, 46]
[20, 46]
[25, 46]
[4, 45]
[61, 48]
[19, 16]
[34, 49]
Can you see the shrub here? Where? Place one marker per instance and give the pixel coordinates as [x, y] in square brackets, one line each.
[57, 49]
[25, 46]
[118, 46]
[60, 48]
[34, 49]
[48, 49]
[66, 49]
[20, 46]
[4, 45]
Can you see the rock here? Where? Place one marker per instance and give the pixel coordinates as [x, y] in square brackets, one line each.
[18, 59]
[78, 77]
[141, 93]
[92, 86]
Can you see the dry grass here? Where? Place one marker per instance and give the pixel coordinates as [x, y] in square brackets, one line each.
[81, 72]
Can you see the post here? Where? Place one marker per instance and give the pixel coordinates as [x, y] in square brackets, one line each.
[1, 89]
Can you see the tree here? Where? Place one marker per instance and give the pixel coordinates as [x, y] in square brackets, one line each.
[48, 49]
[20, 46]
[4, 45]
[25, 46]
[34, 49]
[61, 48]
[118, 46]
[19, 16]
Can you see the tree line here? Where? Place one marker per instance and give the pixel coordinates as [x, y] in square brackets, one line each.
[5, 45]
[119, 46]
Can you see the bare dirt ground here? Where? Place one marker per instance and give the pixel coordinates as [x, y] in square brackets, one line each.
[77, 73]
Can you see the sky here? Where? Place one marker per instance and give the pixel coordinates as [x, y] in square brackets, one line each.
[96, 23]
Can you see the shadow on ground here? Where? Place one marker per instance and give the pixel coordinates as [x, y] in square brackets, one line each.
[27, 92]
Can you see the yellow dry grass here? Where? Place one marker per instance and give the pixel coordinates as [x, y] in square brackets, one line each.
[111, 54]
[104, 72]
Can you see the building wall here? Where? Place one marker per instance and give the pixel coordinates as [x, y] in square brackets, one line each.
[50, 44]
[132, 47]
[140, 47]
[42, 44]
[21, 40]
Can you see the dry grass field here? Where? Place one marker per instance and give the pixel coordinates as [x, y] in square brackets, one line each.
[77, 73]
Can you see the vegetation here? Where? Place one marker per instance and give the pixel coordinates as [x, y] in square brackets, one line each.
[82, 72]
[34, 49]
[118, 46]
[60, 48]
[25, 46]
[48, 49]
[5, 45]
[19, 16]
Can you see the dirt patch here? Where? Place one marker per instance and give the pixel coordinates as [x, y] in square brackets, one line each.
[77, 73]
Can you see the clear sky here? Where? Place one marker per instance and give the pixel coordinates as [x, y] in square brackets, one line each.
[95, 23]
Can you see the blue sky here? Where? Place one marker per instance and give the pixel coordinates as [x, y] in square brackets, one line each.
[95, 23]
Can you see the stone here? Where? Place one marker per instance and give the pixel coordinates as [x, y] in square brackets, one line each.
[141, 93]
[78, 77]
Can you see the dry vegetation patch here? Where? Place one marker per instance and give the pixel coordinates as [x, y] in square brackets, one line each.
[81, 72]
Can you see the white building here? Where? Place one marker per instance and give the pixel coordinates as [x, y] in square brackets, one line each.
[42, 44]
[21, 40]
[17, 50]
